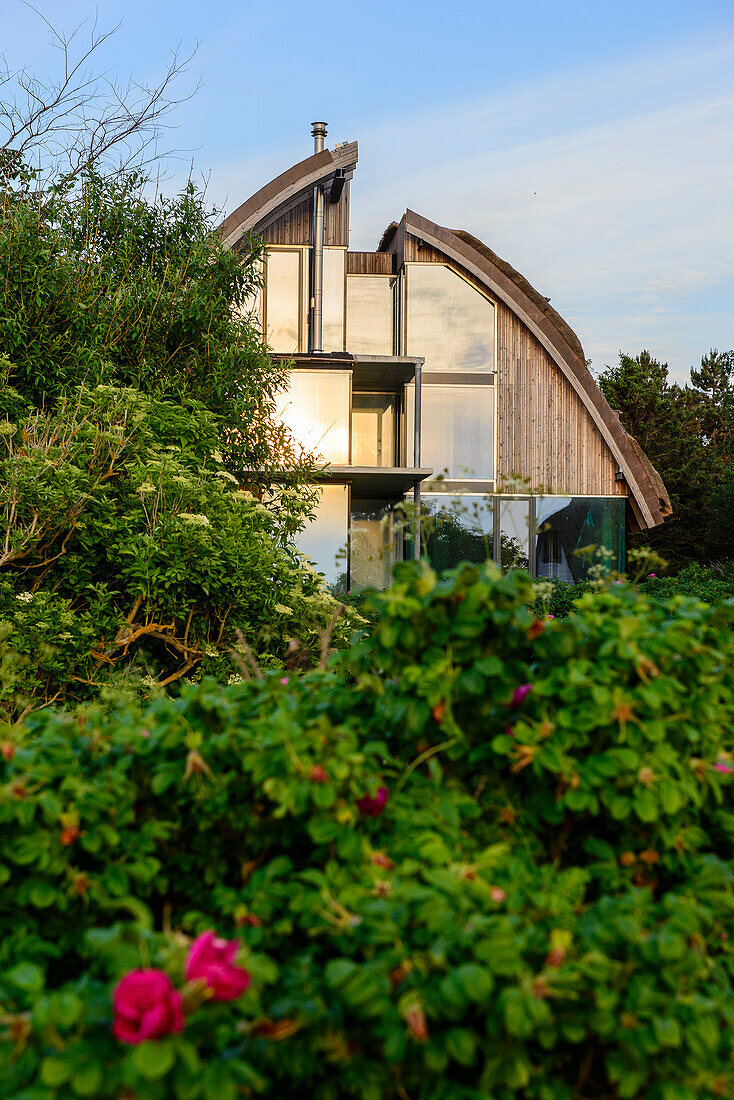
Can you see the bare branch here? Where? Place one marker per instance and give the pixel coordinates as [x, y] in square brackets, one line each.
[83, 118]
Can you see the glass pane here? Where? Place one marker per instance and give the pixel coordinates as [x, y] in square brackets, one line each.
[372, 544]
[514, 534]
[373, 429]
[316, 409]
[456, 529]
[566, 525]
[332, 302]
[457, 430]
[448, 321]
[283, 300]
[369, 314]
[325, 539]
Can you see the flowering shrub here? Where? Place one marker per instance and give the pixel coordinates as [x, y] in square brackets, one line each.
[541, 908]
[131, 555]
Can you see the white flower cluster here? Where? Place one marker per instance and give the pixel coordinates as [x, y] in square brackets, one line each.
[195, 519]
[147, 487]
[25, 597]
[227, 476]
[283, 610]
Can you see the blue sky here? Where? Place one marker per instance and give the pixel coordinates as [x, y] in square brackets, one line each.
[589, 143]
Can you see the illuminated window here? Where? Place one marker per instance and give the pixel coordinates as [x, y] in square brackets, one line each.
[448, 322]
[374, 544]
[324, 539]
[332, 302]
[373, 429]
[283, 300]
[370, 314]
[457, 430]
[316, 409]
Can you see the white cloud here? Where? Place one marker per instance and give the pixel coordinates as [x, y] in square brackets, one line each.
[611, 189]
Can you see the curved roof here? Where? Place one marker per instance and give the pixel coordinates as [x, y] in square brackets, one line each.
[504, 282]
[286, 190]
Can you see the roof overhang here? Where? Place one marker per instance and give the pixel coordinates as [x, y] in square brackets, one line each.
[644, 497]
[328, 169]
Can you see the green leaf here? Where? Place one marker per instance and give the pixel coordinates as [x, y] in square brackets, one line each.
[55, 1071]
[154, 1059]
[476, 981]
[27, 976]
[338, 970]
[42, 894]
[87, 1081]
[461, 1044]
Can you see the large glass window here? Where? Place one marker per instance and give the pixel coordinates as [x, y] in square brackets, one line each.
[369, 314]
[564, 526]
[316, 409]
[373, 544]
[283, 300]
[514, 534]
[457, 430]
[324, 539]
[456, 528]
[332, 302]
[374, 427]
[448, 322]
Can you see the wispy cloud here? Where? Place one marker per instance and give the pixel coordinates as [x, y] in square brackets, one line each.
[611, 189]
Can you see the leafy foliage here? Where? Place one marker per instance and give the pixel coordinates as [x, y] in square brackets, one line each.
[128, 547]
[542, 910]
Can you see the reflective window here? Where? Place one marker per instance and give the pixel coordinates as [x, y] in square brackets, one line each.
[373, 429]
[566, 525]
[373, 544]
[332, 302]
[514, 534]
[324, 540]
[369, 314]
[283, 300]
[456, 529]
[316, 409]
[457, 430]
[448, 322]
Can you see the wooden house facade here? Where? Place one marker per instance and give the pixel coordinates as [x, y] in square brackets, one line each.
[431, 370]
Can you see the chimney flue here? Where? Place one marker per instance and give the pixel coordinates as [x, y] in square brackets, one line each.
[318, 130]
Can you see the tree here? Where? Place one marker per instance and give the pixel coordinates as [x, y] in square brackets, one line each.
[79, 118]
[688, 434]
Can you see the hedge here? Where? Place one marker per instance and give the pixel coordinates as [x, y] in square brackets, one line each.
[482, 855]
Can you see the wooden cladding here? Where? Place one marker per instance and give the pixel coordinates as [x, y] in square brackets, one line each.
[370, 263]
[544, 432]
[295, 226]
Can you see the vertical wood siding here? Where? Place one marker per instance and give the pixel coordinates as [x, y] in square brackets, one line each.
[544, 432]
[295, 226]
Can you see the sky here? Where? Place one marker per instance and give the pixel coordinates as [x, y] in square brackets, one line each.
[590, 143]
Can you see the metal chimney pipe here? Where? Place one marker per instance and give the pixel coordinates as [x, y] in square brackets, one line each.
[318, 130]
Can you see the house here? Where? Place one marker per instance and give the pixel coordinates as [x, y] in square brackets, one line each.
[431, 371]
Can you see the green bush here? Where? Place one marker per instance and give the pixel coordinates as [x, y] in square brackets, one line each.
[131, 552]
[483, 855]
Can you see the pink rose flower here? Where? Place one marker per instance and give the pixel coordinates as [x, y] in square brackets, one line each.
[284, 681]
[520, 694]
[211, 958]
[146, 1007]
[725, 769]
[373, 807]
